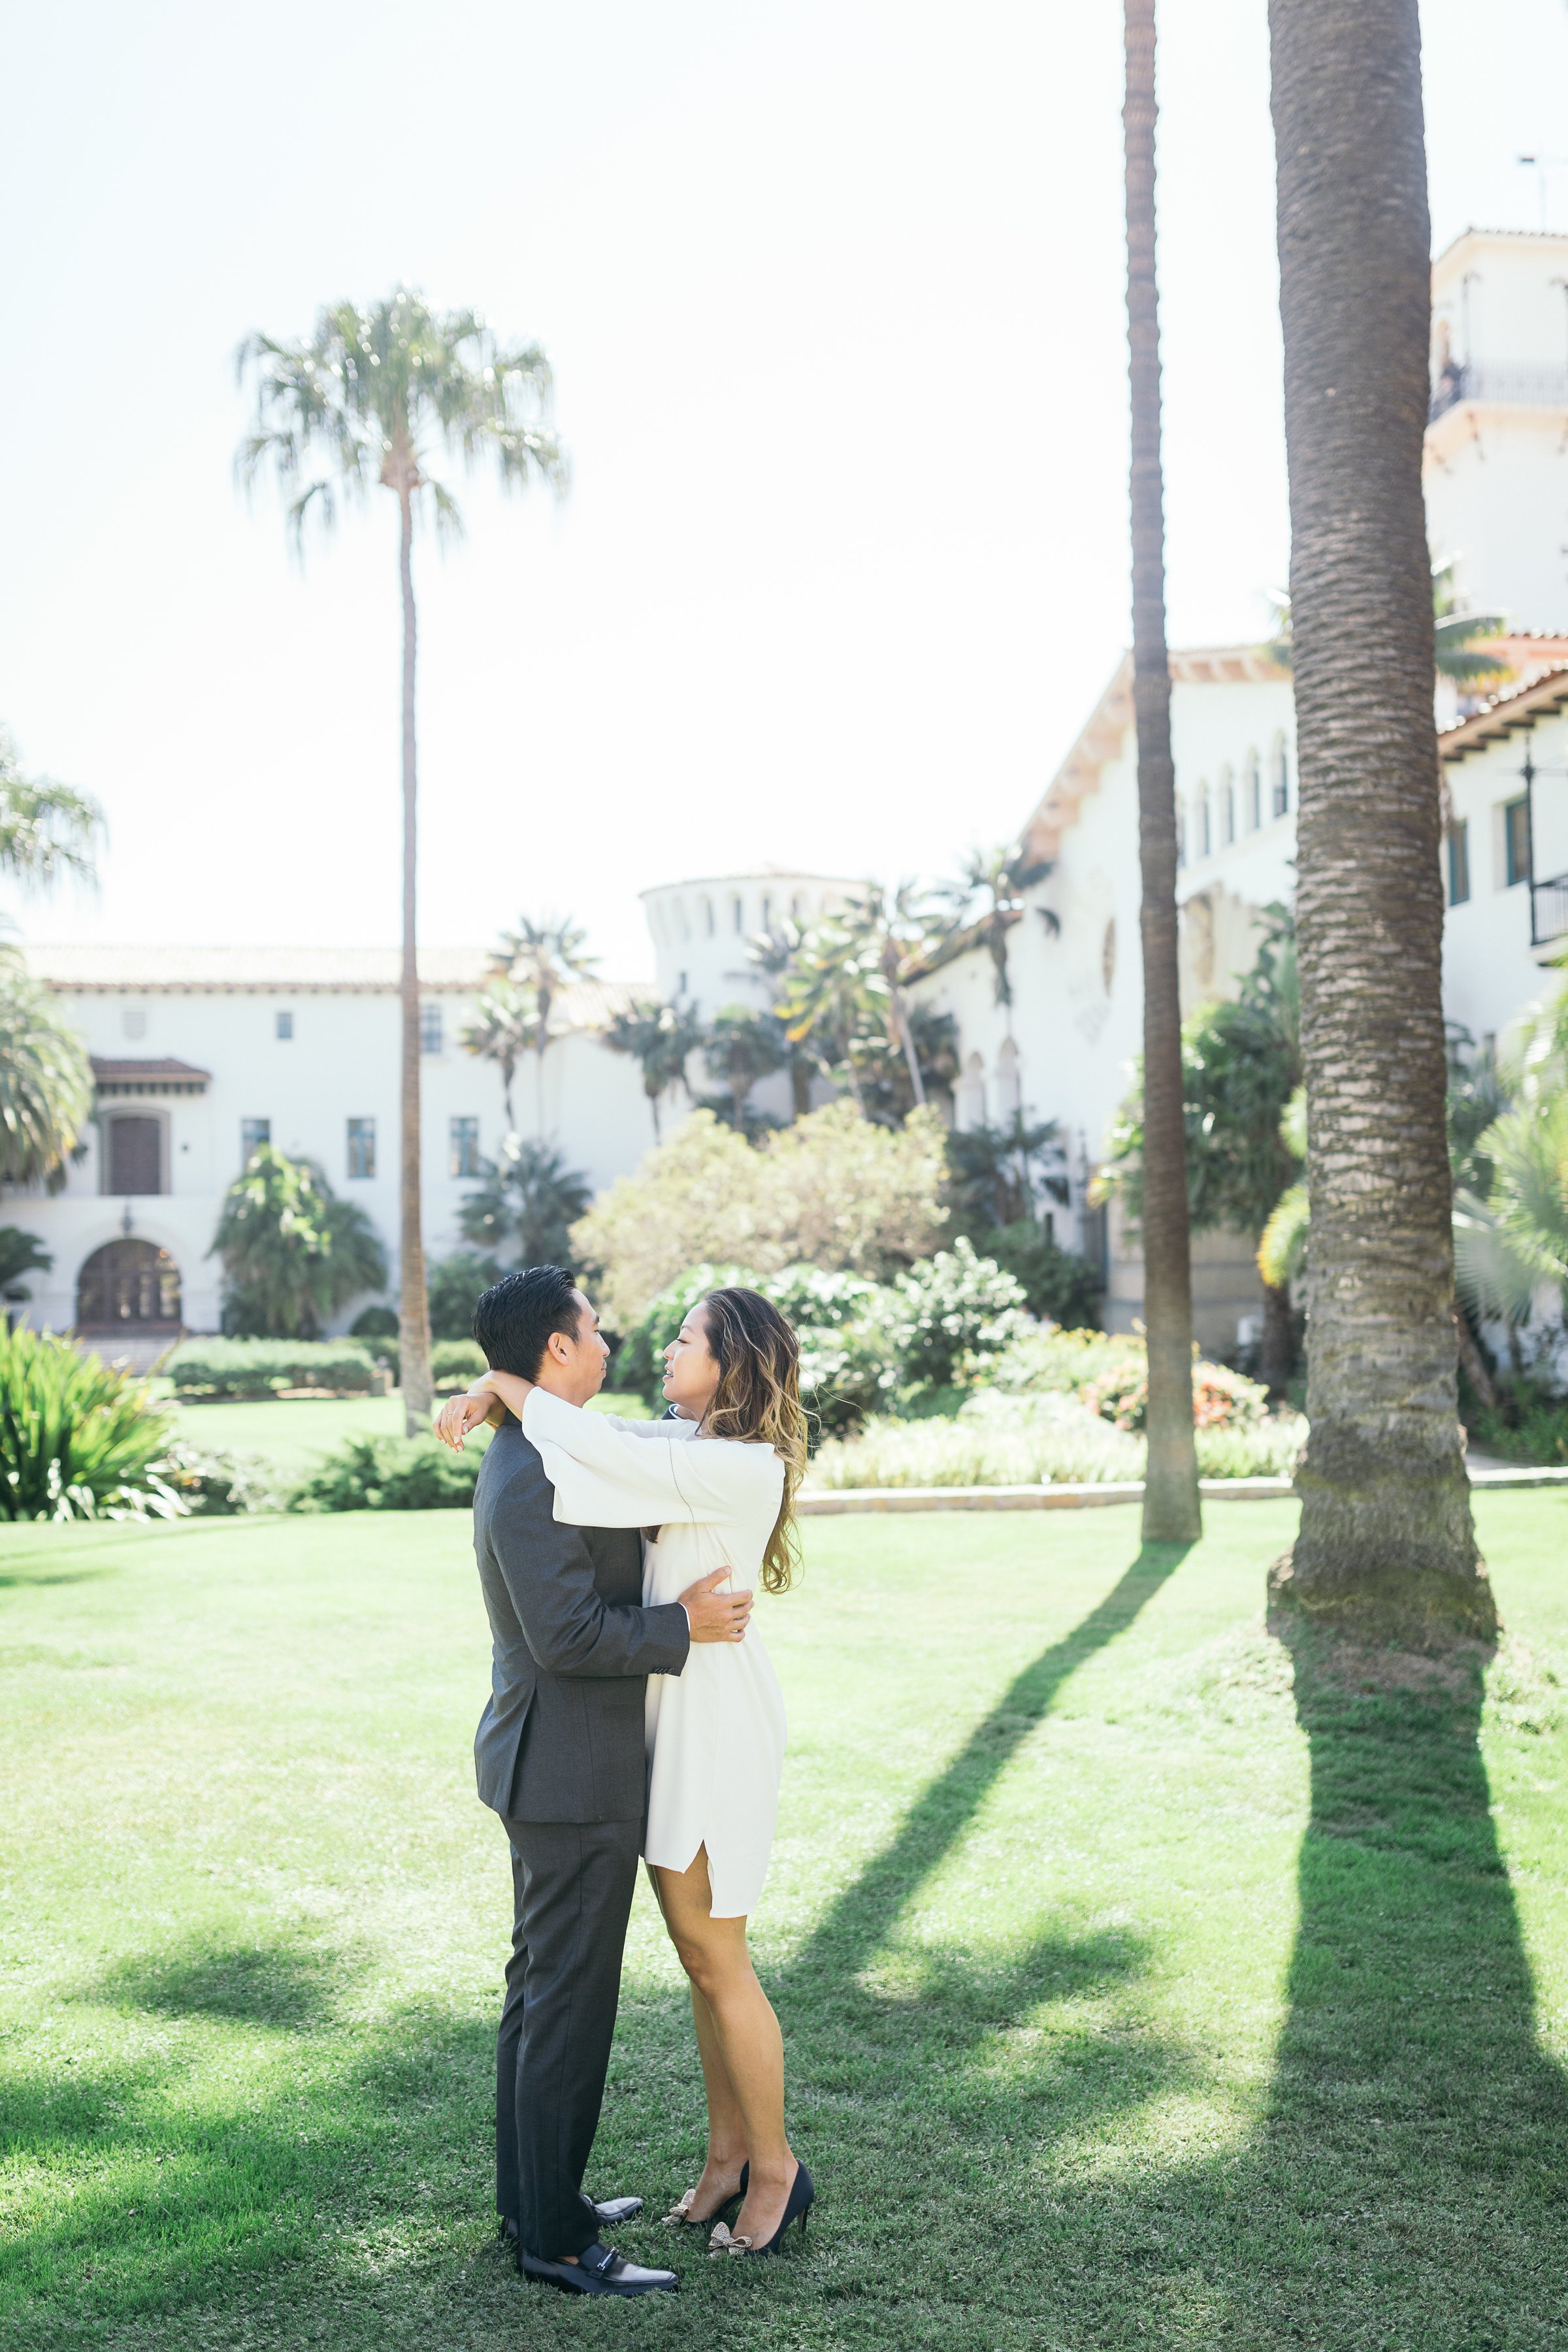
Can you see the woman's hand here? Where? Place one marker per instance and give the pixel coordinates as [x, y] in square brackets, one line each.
[460, 1415]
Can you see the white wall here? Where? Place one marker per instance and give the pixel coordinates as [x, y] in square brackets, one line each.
[1490, 972]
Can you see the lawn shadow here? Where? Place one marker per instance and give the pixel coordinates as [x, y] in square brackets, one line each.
[292, 1987]
[1417, 2133]
[860, 1919]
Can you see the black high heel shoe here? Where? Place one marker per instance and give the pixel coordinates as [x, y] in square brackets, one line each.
[802, 2198]
[679, 2216]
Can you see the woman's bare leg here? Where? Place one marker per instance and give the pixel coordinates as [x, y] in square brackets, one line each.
[749, 2046]
[726, 2127]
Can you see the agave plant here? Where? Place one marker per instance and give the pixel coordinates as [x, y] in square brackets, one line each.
[77, 1439]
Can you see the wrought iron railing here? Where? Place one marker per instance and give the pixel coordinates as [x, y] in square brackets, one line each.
[1547, 911]
[1524, 387]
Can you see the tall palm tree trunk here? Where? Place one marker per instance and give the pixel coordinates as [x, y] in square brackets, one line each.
[1386, 1535]
[412, 1308]
[1171, 1507]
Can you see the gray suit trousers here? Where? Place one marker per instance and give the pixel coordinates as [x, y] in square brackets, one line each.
[571, 1896]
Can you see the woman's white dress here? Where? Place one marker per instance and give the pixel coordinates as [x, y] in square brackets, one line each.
[716, 1730]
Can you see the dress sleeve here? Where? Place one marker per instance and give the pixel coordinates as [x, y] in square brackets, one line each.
[603, 1476]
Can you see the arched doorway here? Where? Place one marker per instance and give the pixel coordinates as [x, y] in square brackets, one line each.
[130, 1289]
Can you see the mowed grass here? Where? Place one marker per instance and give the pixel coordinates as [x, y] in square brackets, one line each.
[1135, 1994]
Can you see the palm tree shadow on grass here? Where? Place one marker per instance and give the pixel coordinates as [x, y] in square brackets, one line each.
[1417, 2136]
[860, 1919]
[1408, 2181]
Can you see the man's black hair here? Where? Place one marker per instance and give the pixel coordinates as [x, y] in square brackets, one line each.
[516, 1316]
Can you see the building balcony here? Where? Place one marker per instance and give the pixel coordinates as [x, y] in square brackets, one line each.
[1516, 387]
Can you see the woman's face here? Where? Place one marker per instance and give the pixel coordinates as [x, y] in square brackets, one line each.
[690, 1368]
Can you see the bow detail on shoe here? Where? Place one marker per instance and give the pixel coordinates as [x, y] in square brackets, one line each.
[722, 2242]
[680, 2215]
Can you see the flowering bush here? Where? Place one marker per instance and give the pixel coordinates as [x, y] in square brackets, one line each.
[1221, 1398]
[952, 1315]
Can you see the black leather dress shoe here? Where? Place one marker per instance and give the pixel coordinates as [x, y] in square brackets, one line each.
[599, 2270]
[612, 2211]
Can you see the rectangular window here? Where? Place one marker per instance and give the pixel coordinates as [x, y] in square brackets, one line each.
[1516, 842]
[431, 1034]
[1458, 862]
[135, 1155]
[285, 1024]
[253, 1134]
[465, 1156]
[361, 1147]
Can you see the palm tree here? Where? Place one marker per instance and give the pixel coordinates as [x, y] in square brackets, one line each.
[529, 1198]
[662, 1037]
[1385, 1536]
[292, 1251]
[899, 927]
[505, 1025]
[743, 1047]
[772, 956]
[545, 958]
[371, 397]
[46, 830]
[1171, 1508]
[46, 1080]
[833, 997]
[982, 906]
[1458, 635]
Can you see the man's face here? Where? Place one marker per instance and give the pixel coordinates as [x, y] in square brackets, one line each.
[574, 1367]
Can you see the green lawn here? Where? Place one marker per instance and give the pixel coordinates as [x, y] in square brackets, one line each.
[292, 1433]
[1132, 1999]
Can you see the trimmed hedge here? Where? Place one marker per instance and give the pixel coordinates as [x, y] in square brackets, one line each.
[231, 1368]
[454, 1362]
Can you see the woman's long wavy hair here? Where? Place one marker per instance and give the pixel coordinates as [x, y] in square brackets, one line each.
[758, 1398]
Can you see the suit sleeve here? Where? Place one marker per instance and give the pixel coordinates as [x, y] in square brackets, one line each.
[604, 1476]
[566, 1623]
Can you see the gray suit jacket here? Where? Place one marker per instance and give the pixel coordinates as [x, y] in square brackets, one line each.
[571, 1648]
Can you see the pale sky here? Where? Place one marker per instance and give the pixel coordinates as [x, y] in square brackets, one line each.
[833, 292]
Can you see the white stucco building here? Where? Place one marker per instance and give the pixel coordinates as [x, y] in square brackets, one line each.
[200, 1053]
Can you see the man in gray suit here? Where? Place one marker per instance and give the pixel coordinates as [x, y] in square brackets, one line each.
[559, 1755]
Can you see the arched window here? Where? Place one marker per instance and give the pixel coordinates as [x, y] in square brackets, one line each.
[969, 1095]
[767, 911]
[682, 928]
[798, 908]
[1108, 956]
[1206, 839]
[706, 903]
[1226, 809]
[1254, 797]
[1281, 777]
[1181, 834]
[1009, 1095]
[126, 1283]
[738, 914]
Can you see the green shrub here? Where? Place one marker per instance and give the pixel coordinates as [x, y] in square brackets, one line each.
[390, 1474]
[1529, 1422]
[454, 1363]
[78, 1441]
[374, 1323]
[1058, 1286]
[229, 1367]
[953, 1314]
[213, 1483]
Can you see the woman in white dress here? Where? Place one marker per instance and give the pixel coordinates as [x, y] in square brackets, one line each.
[712, 1490]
